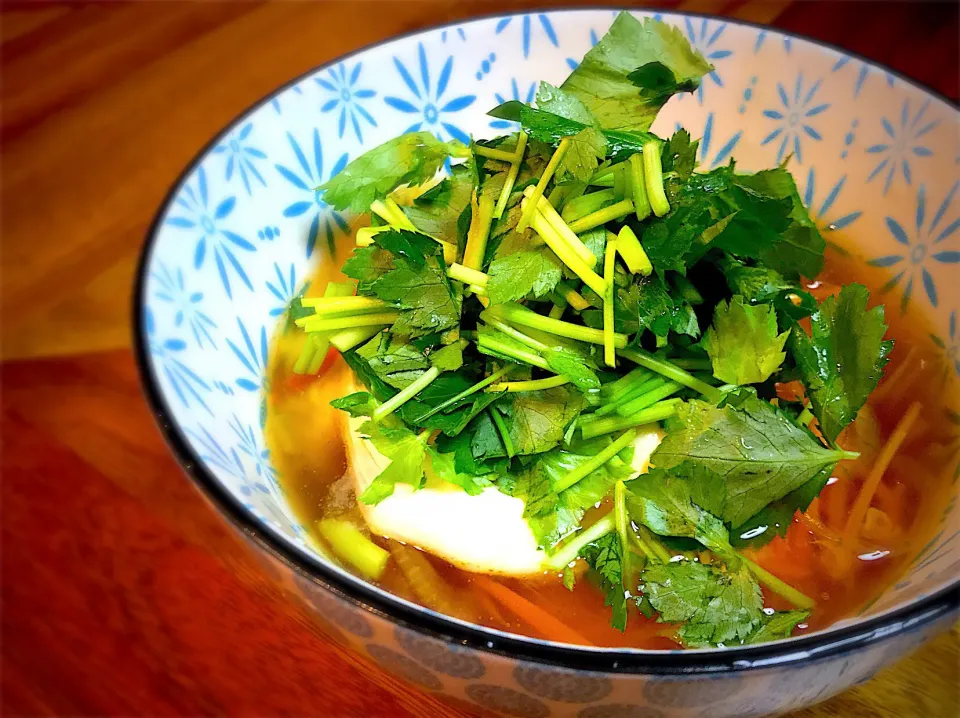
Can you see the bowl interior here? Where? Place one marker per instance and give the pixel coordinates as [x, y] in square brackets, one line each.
[875, 158]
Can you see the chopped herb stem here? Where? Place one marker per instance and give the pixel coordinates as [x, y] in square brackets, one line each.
[399, 218]
[511, 176]
[641, 202]
[530, 385]
[545, 178]
[575, 300]
[602, 216]
[587, 204]
[691, 364]
[563, 231]
[365, 235]
[610, 424]
[639, 389]
[649, 398]
[671, 371]
[632, 252]
[567, 554]
[321, 324]
[627, 382]
[404, 395]
[478, 233]
[332, 306]
[478, 290]
[491, 344]
[556, 311]
[566, 254]
[347, 339]
[653, 174]
[516, 314]
[379, 208]
[503, 431]
[494, 154]
[652, 544]
[619, 182]
[350, 545]
[778, 586]
[609, 264]
[321, 347]
[467, 275]
[595, 462]
[479, 386]
[515, 333]
[621, 519]
[305, 359]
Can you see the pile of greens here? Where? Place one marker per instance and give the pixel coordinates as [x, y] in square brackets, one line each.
[566, 284]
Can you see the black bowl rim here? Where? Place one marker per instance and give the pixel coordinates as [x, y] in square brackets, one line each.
[820, 645]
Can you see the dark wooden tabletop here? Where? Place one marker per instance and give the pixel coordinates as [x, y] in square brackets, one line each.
[122, 592]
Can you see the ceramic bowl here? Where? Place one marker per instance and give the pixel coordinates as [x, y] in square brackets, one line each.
[874, 155]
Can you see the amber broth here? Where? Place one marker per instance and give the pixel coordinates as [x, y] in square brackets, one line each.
[305, 438]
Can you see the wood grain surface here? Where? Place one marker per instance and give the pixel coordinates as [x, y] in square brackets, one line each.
[123, 593]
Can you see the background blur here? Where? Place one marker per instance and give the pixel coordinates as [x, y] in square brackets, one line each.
[122, 592]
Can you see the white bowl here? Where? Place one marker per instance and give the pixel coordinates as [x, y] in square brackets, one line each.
[873, 154]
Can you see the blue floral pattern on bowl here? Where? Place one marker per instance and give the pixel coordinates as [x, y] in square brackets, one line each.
[875, 157]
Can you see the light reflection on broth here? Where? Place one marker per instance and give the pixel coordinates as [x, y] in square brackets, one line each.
[305, 438]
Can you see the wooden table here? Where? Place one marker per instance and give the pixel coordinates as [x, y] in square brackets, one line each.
[123, 593]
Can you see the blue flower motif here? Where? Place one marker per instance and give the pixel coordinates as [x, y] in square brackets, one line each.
[704, 39]
[950, 345]
[427, 99]
[922, 245]
[306, 178]
[241, 157]
[261, 456]
[793, 120]
[514, 95]
[194, 204]
[212, 453]
[347, 96]
[725, 150]
[574, 64]
[253, 362]
[545, 24]
[456, 32]
[185, 382]
[275, 102]
[901, 143]
[762, 37]
[173, 290]
[823, 212]
[861, 75]
[285, 289]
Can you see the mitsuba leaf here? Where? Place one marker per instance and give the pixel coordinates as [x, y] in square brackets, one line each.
[743, 343]
[605, 557]
[405, 450]
[843, 360]
[753, 453]
[554, 516]
[777, 627]
[437, 212]
[601, 79]
[395, 362]
[714, 606]
[664, 504]
[410, 159]
[417, 284]
[528, 273]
